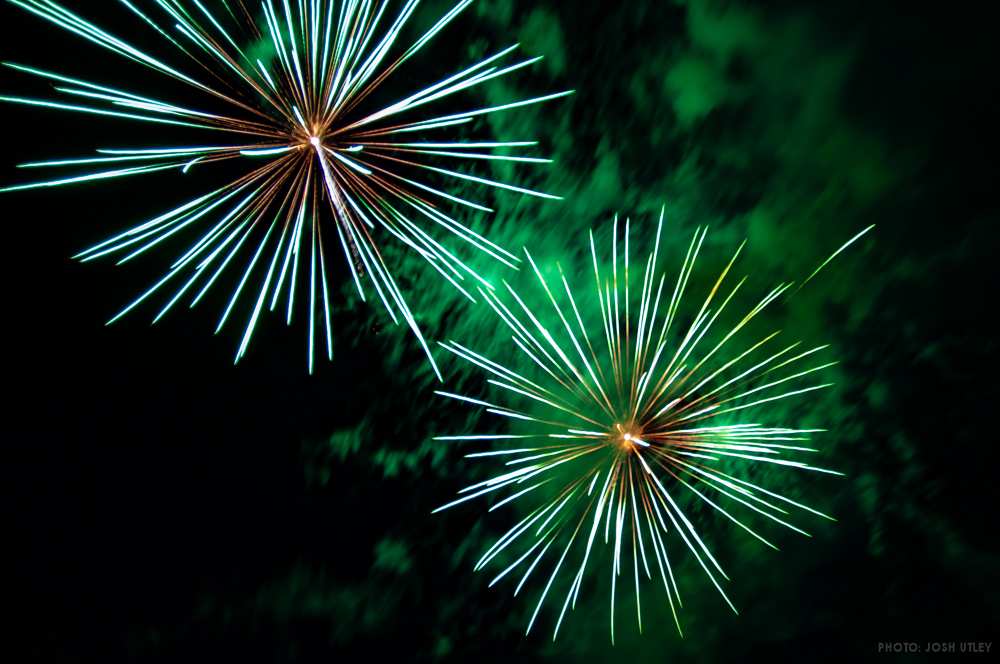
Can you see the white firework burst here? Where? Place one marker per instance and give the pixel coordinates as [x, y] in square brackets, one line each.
[323, 169]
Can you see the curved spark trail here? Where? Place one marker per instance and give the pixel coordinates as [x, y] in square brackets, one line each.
[319, 169]
[609, 428]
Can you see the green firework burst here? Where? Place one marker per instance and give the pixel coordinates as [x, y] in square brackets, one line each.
[632, 404]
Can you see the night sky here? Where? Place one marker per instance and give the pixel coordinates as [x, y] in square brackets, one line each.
[164, 505]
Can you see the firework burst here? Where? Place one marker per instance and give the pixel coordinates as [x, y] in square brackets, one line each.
[610, 428]
[320, 169]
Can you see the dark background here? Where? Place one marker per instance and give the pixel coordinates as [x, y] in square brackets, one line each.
[162, 505]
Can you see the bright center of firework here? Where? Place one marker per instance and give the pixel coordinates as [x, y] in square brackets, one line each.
[627, 437]
[314, 140]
